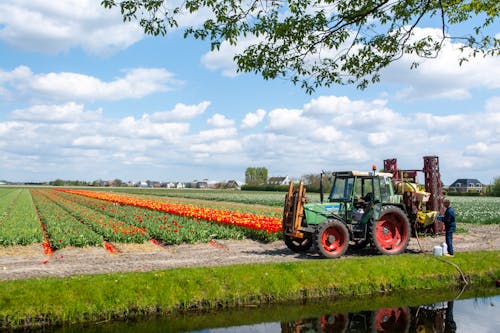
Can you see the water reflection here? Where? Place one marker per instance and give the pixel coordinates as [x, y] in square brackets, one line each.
[436, 318]
[382, 320]
[476, 314]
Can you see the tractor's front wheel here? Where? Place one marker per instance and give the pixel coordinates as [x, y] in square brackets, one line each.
[391, 233]
[298, 244]
[332, 239]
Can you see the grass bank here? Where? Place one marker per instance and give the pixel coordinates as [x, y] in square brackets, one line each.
[101, 297]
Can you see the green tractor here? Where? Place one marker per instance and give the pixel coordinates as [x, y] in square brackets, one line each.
[362, 209]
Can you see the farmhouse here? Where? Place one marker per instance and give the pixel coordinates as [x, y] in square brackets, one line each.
[466, 185]
[278, 180]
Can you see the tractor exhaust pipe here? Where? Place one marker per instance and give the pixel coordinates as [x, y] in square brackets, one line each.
[321, 187]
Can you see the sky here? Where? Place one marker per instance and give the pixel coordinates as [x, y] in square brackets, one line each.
[85, 96]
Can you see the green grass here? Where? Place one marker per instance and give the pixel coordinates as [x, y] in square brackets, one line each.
[101, 297]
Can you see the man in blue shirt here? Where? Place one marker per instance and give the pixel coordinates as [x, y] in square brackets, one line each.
[449, 225]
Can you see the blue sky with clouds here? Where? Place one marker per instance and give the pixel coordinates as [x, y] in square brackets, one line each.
[85, 96]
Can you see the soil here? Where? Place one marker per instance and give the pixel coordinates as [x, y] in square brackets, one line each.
[22, 262]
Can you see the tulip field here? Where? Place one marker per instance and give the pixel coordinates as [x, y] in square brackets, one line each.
[62, 217]
[58, 218]
[478, 210]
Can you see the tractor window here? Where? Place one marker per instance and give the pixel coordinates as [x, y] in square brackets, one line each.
[367, 186]
[342, 189]
[385, 189]
[376, 189]
[358, 189]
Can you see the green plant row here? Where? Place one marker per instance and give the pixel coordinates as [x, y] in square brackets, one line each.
[19, 224]
[62, 228]
[87, 298]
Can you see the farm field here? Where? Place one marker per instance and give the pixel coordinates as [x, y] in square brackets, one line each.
[477, 210]
[267, 198]
[59, 218]
[85, 235]
[80, 218]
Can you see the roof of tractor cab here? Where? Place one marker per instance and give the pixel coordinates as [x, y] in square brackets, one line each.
[356, 173]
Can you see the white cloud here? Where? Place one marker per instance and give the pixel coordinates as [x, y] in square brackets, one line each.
[440, 78]
[136, 83]
[290, 121]
[252, 119]
[223, 59]
[379, 138]
[326, 134]
[219, 120]
[493, 105]
[69, 112]
[443, 77]
[291, 141]
[217, 147]
[218, 133]
[181, 111]
[55, 26]
[352, 113]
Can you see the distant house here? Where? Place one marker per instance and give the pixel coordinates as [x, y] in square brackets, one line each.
[466, 185]
[233, 184]
[202, 184]
[278, 181]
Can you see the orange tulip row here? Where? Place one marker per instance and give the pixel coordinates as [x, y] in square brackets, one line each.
[257, 222]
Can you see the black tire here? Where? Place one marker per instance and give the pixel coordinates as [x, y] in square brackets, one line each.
[390, 234]
[332, 239]
[298, 245]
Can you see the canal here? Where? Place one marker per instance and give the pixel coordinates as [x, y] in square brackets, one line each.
[422, 312]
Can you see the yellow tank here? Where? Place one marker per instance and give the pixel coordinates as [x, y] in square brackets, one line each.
[426, 218]
[402, 187]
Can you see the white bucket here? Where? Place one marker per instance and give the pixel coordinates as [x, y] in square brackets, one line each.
[438, 250]
[445, 248]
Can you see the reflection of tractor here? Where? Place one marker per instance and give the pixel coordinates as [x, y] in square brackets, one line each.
[381, 321]
[377, 208]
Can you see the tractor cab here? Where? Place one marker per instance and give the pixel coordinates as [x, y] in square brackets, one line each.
[360, 194]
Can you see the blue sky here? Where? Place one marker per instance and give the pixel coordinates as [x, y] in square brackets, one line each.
[85, 96]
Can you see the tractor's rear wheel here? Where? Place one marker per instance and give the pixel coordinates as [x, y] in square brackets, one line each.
[298, 244]
[391, 233]
[391, 320]
[332, 239]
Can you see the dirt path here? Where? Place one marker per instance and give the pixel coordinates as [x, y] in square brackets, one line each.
[20, 262]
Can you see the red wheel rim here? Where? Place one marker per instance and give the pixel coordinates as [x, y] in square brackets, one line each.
[391, 234]
[390, 320]
[333, 322]
[333, 240]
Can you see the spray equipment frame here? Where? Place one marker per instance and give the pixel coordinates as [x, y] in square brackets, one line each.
[433, 186]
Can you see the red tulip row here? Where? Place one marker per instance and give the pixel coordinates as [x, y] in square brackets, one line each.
[161, 227]
[252, 221]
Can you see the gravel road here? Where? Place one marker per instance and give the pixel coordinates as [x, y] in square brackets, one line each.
[21, 262]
